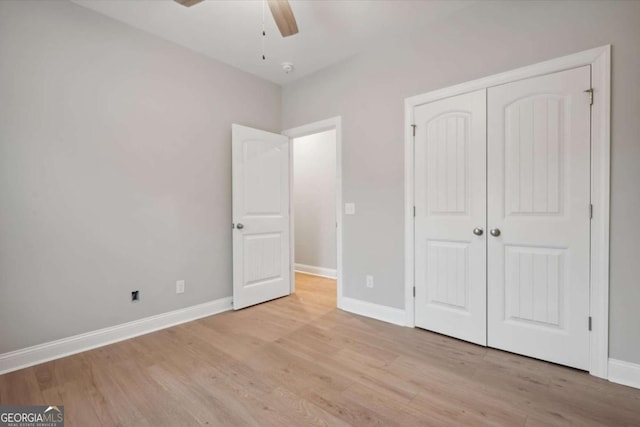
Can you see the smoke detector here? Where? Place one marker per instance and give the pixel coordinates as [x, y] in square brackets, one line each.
[287, 67]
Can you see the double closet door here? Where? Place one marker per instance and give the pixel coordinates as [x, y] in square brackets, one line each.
[502, 219]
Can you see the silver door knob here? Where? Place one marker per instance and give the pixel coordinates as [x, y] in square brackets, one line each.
[478, 231]
[495, 232]
[239, 226]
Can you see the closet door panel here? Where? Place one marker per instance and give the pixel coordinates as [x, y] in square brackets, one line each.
[450, 201]
[538, 199]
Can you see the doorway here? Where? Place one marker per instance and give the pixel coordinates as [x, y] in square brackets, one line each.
[316, 215]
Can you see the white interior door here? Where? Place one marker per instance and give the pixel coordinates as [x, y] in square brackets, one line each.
[260, 215]
[450, 216]
[539, 199]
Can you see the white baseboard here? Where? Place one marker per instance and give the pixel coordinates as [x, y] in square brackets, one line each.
[40, 353]
[375, 311]
[625, 373]
[316, 271]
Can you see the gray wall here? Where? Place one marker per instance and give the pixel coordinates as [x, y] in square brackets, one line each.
[115, 171]
[314, 198]
[487, 38]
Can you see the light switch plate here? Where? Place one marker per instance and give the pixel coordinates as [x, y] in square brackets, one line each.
[349, 208]
[180, 287]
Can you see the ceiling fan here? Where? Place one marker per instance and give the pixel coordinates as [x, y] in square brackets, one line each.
[280, 9]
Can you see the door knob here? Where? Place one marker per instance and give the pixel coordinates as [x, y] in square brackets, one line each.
[478, 231]
[495, 232]
[240, 226]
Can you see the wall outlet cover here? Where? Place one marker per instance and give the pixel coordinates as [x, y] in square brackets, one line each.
[349, 208]
[369, 281]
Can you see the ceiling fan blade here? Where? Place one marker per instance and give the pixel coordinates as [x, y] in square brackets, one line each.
[188, 3]
[283, 15]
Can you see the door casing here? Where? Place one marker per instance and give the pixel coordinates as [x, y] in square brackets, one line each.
[600, 61]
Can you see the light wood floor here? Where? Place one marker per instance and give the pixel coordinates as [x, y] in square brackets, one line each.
[299, 361]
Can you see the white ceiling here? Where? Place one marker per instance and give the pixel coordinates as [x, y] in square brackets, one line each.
[230, 30]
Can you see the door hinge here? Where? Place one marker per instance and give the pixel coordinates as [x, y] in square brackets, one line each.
[414, 211]
[414, 291]
[590, 210]
[590, 92]
[589, 322]
[414, 129]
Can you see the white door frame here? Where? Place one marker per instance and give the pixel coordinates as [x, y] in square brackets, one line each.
[305, 130]
[600, 61]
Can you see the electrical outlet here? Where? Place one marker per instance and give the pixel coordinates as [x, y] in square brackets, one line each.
[369, 281]
[135, 296]
[349, 208]
[180, 287]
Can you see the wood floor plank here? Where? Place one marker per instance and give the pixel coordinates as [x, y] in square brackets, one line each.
[307, 413]
[20, 386]
[300, 361]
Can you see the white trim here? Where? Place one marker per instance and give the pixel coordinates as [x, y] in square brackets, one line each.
[600, 61]
[600, 197]
[41, 353]
[587, 57]
[375, 311]
[625, 373]
[409, 235]
[316, 271]
[308, 129]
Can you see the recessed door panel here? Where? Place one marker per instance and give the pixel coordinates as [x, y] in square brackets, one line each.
[534, 156]
[447, 281]
[534, 286]
[262, 173]
[263, 253]
[447, 150]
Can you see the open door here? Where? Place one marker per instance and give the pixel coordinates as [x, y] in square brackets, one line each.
[261, 270]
